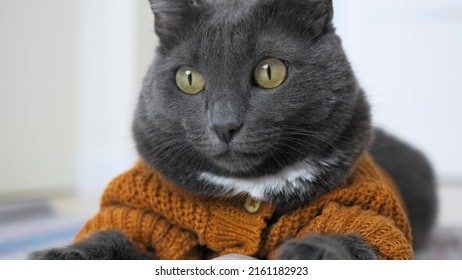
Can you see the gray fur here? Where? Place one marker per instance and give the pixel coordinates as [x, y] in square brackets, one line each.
[318, 115]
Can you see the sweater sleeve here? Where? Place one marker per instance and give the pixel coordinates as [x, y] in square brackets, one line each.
[148, 210]
[149, 231]
[378, 231]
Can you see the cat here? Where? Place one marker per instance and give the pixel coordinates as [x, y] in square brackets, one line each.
[257, 97]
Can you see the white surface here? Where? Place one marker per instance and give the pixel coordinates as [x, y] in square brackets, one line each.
[450, 198]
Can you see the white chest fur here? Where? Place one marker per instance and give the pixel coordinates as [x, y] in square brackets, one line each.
[287, 181]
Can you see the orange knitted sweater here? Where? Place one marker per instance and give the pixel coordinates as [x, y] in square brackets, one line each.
[160, 217]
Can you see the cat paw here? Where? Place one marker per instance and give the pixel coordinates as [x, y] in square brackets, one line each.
[58, 254]
[314, 247]
[103, 245]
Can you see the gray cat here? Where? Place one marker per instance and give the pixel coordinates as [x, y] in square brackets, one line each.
[242, 89]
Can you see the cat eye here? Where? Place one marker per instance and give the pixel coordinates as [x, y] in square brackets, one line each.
[189, 80]
[270, 73]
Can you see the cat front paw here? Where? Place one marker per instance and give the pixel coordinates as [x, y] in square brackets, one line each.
[314, 247]
[58, 254]
[103, 245]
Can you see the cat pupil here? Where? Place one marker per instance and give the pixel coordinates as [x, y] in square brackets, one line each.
[268, 71]
[189, 74]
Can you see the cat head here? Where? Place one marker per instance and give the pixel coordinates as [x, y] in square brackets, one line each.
[250, 96]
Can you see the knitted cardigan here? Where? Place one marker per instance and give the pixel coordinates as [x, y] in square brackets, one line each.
[160, 217]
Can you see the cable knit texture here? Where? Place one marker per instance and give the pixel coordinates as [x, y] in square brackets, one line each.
[160, 217]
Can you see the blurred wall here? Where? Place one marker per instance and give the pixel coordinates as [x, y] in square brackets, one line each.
[407, 56]
[70, 75]
[70, 72]
[118, 47]
[40, 59]
[109, 89]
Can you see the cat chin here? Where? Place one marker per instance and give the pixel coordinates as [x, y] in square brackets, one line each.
[234, 163]
[288, 181]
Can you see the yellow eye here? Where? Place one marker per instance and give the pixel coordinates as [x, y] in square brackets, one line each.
[270, 73]
[189, 80]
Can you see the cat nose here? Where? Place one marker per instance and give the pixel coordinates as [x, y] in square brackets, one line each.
[226, 130]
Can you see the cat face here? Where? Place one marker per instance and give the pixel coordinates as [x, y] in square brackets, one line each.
[244, 89]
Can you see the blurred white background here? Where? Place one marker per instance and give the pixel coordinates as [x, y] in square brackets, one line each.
[70, 73]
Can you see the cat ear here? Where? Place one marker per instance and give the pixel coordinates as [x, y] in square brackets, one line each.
[171, 16]
[322, 15]
[316, 15]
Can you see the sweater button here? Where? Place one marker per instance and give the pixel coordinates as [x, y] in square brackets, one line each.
[252, 205]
